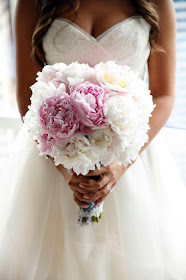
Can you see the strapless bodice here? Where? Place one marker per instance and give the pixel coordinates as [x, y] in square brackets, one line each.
[127, 42]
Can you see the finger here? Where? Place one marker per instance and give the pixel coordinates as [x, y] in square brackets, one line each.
[82, 198]
[76, 187]
[96, 172]
[104, 196]
[96, 185]
[81, 178]
[100, 199]
[78, 202]
[95, 196]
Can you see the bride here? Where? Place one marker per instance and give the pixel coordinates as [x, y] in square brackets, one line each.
[142, 232]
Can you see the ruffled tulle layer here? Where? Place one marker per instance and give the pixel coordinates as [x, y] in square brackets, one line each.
[141, 235]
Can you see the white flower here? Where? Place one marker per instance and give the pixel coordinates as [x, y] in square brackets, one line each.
[79, 72]
[83, 153]
[121, 114]
[113, 76]
[101, 139]
[78, 154]
[128, 117]
[49, 72]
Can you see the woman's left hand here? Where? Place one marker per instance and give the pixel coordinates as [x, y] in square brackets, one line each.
[98, 191]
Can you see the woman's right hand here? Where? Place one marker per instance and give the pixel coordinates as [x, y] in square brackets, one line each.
[73, 181]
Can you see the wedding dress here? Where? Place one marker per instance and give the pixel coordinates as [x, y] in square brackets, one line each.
[142, 232]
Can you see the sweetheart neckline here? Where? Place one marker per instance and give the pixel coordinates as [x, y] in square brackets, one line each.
[104, 33]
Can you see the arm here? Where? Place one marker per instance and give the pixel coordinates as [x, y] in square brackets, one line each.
[26, 68]
[161, 68]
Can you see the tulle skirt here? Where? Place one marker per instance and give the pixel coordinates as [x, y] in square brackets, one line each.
[141, 235]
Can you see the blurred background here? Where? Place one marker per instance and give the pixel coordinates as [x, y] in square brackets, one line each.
[174, 130]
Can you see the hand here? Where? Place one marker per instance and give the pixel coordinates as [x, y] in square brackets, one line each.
[99, 190]
[74, 182]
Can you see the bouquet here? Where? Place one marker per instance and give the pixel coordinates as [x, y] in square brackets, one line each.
[85, 117]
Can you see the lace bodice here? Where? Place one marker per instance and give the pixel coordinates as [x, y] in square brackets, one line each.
[127, 42]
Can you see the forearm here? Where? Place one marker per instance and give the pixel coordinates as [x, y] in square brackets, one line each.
[64, 171]
[23, 104]
[160, 115]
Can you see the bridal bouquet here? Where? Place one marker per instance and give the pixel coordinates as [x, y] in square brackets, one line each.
[85, 117]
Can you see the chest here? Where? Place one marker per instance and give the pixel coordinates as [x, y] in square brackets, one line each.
[97, 16]
[126, 43]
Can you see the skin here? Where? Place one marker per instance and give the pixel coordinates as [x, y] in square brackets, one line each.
[95, 19]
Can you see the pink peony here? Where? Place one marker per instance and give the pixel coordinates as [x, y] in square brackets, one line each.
[62, 83]
[57, 82]
[45, 144]
[57, 116]
[89, 101]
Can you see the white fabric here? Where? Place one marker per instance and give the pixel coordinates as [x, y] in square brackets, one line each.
[142, 232]
[126, 42]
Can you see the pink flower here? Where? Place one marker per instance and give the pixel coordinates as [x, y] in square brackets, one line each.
[89, 101]
[57, 116]
[56, 82]
[46, 143]
[60, 83]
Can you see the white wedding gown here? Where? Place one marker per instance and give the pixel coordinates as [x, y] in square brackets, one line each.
[142, 232]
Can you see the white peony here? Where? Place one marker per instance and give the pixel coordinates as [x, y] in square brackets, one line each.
[83, 153]
[121, 114]
[114, 77]
[77, 154]
[77, 73]
[49, 72]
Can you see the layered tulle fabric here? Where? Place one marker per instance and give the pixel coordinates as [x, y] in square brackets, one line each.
[142, 233]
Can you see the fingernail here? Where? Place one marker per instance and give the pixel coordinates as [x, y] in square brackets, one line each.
[81, 186]
[85, 196]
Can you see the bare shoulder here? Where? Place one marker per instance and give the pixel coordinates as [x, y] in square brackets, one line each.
[167, 16]
[166, 11]
[162, 65]
[25, 15]
[26, 68]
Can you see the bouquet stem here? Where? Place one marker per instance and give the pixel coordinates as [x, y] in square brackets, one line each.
[91, 214]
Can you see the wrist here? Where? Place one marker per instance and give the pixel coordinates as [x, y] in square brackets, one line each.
[59, 167]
